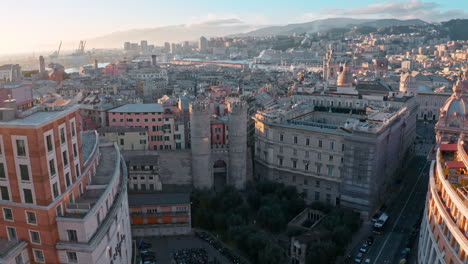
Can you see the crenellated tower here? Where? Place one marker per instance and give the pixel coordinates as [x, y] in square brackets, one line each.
[200, 133]
[237, 129]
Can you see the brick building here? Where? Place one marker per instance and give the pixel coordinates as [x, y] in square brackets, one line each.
[59, 195]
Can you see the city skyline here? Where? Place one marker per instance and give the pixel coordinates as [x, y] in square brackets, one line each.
[49, 23]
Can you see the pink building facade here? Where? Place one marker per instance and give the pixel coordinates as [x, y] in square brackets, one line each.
[163, 132]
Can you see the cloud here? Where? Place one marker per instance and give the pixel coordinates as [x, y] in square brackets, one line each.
[410, 9]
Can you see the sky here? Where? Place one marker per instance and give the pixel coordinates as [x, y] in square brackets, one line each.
[32, 25]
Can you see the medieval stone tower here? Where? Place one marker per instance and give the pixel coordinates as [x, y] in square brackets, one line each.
[202, 175]
[204, 155]
[237, 129]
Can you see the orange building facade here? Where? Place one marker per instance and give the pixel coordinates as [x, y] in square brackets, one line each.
[43, 173]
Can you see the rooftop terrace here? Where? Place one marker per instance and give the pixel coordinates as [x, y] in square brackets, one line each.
[99, 183]
[37, 116]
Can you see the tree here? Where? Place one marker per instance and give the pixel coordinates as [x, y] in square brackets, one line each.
[271, 255]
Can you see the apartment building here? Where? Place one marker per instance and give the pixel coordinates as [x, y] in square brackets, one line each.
[63, 194]
[335, 148]
[127, 138]
[163, 131]
[155, 214]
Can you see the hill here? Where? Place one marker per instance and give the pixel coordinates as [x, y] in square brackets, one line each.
[328, 24]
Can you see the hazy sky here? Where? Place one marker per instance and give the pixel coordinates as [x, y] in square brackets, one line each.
[29, 25]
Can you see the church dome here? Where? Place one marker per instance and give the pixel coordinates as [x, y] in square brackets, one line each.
[456, 106]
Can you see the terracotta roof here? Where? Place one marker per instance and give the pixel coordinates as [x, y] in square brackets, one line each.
[455, 164]
[448, 147]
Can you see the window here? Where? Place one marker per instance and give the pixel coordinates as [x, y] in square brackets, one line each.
[19, 259]
[306, 166]
[65, 158]
[31, 218]
[77, 170]
[295, 139]
[67, 179]
[280, 161]
[72, 198]
[28, 198]
[122, 142]
[328, 198]
[306, 154]
[38, 255]
[295, 152]
[317, 184]
[294, 163]
[281, 137]
[12, 233]
[319, 169]
[332, 145]
[319, 156]
[317, 196]
[73, 129]
[7, 214]
[342, 147]
[319, 143]
[20, 148]
[35, 237]
[50, 146]
[52, 167]
[2, 171]
[330, 158]
[75, 152]
[55, 190]
[81, 189]
[72, 235]
[58, 209]
[4, 193]
[72, 258]
[330, 171]
[307, 141]
[24, 172]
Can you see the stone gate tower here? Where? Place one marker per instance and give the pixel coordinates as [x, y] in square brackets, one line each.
[237, 131]
[202, 175]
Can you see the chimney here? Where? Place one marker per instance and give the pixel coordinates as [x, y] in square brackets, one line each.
[96, 65]
[153, 60]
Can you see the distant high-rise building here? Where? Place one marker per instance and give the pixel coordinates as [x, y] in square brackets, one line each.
[167, 47]
[127, 46]
[202, 44]
[173, 48]
[41, 65]
[144, 45]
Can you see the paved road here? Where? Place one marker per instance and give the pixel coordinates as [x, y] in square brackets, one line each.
[404, 213]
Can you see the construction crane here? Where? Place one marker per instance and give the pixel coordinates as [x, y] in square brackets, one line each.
[81, 48]
[56, 53]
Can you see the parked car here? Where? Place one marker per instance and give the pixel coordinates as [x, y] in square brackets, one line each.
[370, 240]
[358, 258]
[367, 261]
[364, 248]
[375, 217]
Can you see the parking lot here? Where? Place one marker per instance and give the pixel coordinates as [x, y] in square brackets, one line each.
[164, 247]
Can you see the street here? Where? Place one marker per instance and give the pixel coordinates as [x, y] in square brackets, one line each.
[404, 213]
